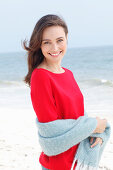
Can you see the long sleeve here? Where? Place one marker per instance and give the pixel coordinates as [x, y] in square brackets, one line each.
[56, 96]
[60, 135]
[42, 98]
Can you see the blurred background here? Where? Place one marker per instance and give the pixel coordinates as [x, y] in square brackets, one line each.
[89, 56]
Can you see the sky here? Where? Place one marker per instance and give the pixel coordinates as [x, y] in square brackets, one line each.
[90, 22]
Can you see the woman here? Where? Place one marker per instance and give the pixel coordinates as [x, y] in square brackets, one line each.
[54, 91]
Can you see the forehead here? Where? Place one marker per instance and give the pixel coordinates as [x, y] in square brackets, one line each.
[53, 32]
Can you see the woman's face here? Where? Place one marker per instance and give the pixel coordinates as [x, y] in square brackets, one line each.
[54, 43]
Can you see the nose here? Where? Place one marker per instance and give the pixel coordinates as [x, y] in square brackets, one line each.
[54, 47]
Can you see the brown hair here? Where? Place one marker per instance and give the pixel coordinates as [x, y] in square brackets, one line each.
[34, 53]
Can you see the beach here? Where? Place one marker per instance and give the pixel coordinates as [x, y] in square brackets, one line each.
[19, 146]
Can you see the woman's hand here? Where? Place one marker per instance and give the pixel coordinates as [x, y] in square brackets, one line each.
[101, 125]
[98, 140]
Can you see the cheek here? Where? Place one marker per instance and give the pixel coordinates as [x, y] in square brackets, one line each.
[64, 46]
[44, 50]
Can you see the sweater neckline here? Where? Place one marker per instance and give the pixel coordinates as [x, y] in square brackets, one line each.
[52, 72]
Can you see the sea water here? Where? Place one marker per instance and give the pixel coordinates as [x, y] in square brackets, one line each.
[92, 68]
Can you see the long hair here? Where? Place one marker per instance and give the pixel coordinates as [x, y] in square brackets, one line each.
[34, 53]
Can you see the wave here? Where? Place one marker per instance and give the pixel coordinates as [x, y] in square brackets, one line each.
[89, 82]
[5, 83]
[98, 82]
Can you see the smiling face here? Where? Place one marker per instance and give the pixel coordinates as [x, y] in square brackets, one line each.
[54, 43]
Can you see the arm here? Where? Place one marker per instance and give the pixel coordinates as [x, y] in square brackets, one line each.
[42, 98]
[101, 124]
[60, 135]
[100, 128]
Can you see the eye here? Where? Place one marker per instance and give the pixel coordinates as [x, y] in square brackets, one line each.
[46, 42]
[60, 40]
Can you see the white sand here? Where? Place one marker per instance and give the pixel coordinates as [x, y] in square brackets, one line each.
[19, 147]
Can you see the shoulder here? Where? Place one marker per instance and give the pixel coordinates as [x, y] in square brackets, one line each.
[39, 75]
[70, 73]
[68, 70]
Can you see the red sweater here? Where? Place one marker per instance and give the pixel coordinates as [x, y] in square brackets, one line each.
[56, 96]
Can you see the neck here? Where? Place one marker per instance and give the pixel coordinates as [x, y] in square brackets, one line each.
[53, 66]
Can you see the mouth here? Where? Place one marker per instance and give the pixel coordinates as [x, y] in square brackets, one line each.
[55, 54]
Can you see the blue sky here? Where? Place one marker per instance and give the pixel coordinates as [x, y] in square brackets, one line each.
[90, 22]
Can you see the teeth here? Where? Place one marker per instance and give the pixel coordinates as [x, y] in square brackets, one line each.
[55, 54]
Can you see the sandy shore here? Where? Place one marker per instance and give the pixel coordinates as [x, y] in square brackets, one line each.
[19, 147]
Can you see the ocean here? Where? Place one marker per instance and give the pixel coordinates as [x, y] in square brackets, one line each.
[92, 68]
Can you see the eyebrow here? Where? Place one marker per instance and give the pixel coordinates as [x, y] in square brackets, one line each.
[50, 40]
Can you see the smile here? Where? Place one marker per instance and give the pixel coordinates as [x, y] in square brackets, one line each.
[55, 54]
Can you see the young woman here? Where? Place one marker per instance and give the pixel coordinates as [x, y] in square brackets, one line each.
[54, 91]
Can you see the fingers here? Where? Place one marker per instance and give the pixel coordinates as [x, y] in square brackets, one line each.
[91, 140]
[95, 143]
[98, 140]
